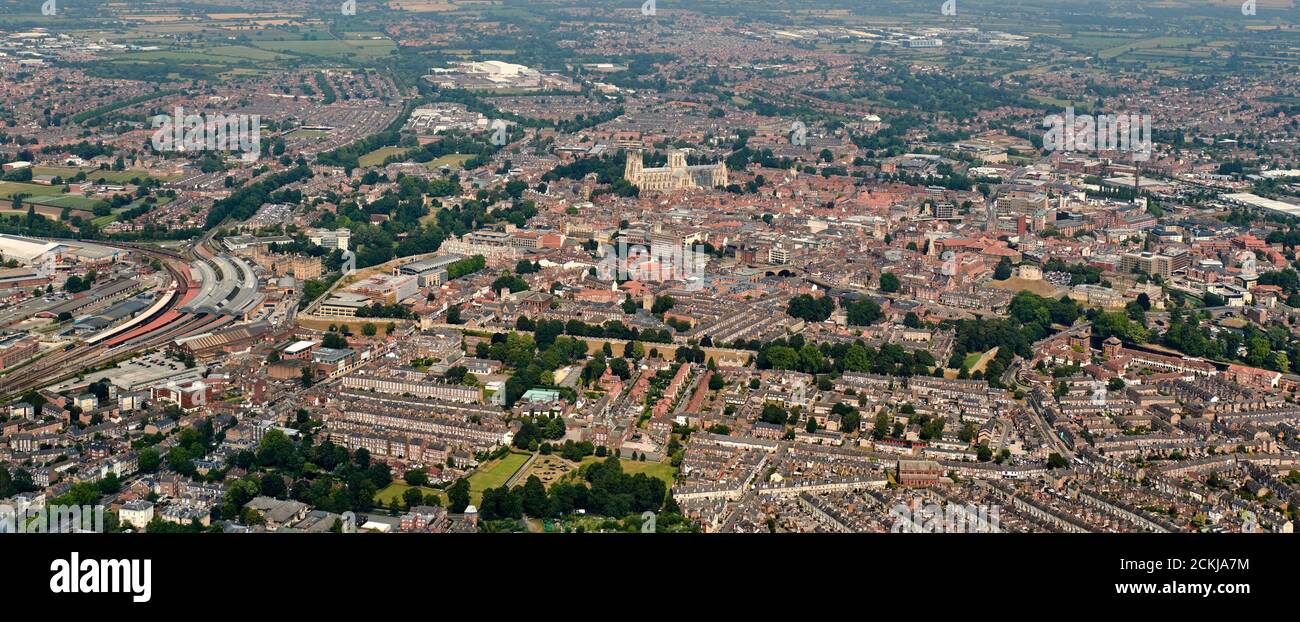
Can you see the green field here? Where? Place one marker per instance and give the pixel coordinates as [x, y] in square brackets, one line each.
[377, 157]
[10, 188]
[104, 220]
[454, 161]
[494, 474]
[662, 470]
[244, 52]
[94, 174]
[226, 54]
[307, 134]
[363, 49]
[1112, 52]
[395, 490]
[71, 201]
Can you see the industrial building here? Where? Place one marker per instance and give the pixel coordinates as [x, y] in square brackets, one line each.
[29, 251]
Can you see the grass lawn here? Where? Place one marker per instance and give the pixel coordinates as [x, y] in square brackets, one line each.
[71, 201]
[980, 361]
[377, 157]
[395, 490]
[1166, 42]
[104, 220]
[1035, 286]
[362, 49]
[662, 470]
[453, 160]
[494, 474]
[101, 221]
[550, 469]
[94, 174]
[10, 188]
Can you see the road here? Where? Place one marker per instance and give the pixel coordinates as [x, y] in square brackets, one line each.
[1036, 410]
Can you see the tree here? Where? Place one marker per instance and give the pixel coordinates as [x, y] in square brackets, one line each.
[334, 340]
[534, 498]
[810, 309]
[179, 460]
[369, 329]
[1003, 271]
[149, 460]
[412, 497]
[416, 477]
[272, 485]
[458, 496]
[662, 304]
[773, 413]
[864, 312]
[889, 282]
[1055, 461]
[911, 320]
[881, 428]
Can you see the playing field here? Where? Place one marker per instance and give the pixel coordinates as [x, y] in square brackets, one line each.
[395, 490]
[377, 157]
[305, 134]
[494, 474]
[10, 188]
[453, 160]
[67, 200]
[94, 174]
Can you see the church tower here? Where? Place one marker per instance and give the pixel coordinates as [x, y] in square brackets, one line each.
[677, 160]
[633, 167]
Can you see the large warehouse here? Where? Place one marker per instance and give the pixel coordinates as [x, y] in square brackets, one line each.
[28, 251]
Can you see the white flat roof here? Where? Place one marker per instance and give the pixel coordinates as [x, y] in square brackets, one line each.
[13, 246]
[299, 346]
[1254, 200]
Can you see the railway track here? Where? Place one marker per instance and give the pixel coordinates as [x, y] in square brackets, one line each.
[58, 366]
